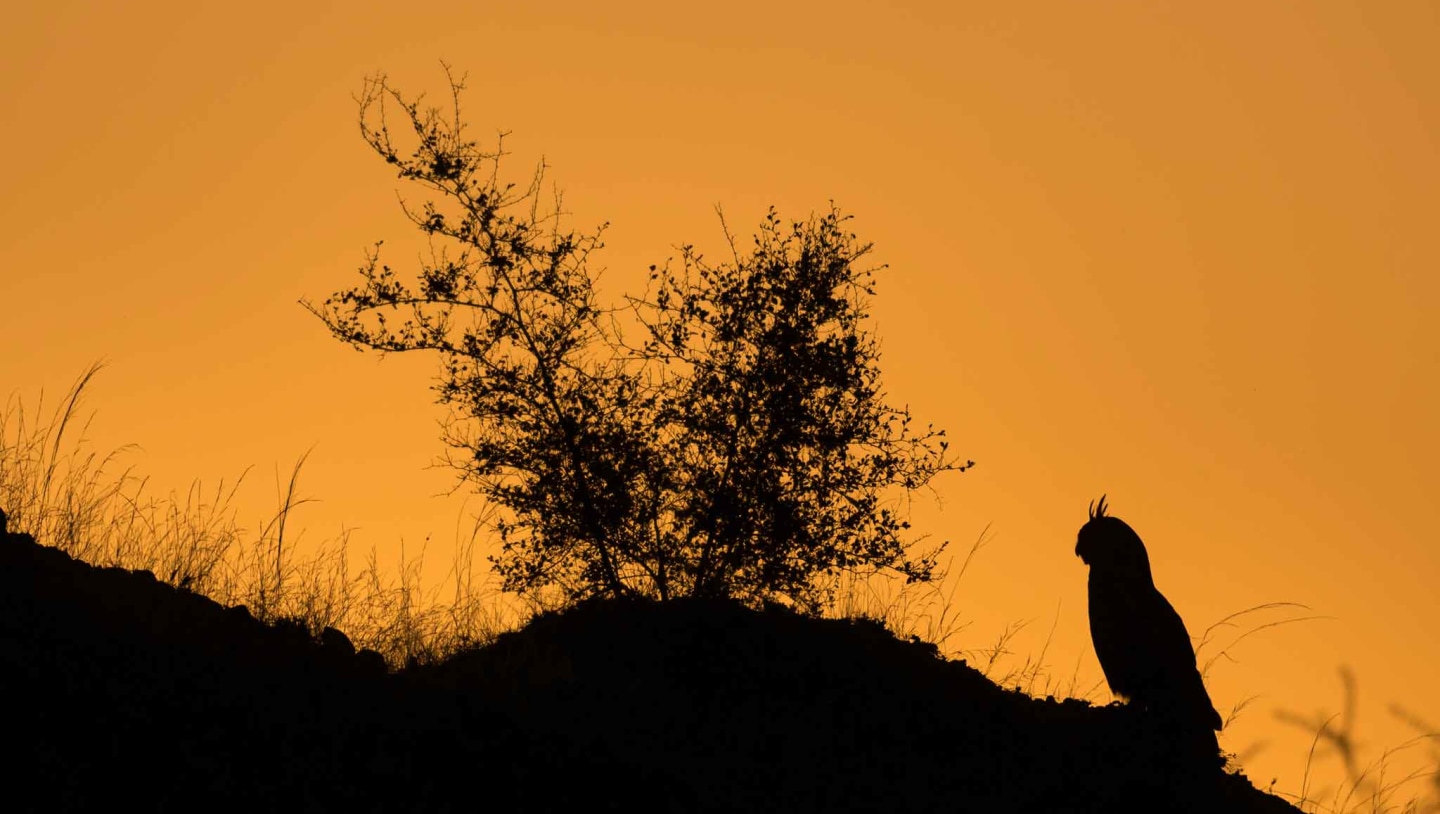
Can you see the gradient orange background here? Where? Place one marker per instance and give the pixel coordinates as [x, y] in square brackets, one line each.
[1182, 253]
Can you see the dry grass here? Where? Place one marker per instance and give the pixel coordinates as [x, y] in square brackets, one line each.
[54, 487]
[929, 612]
[1366, 788]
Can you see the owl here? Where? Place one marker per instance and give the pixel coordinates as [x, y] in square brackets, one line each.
[1141, 642]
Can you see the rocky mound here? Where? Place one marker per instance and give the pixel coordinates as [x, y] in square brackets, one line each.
[121, 690]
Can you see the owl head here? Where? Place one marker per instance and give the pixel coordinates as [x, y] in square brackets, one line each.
[1108, 543]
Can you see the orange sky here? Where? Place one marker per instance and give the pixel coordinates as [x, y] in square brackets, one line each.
[1181, 253]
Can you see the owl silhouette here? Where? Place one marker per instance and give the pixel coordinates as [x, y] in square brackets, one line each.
[1140, 640]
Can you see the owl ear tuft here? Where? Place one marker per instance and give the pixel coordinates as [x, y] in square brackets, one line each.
[1097, 510]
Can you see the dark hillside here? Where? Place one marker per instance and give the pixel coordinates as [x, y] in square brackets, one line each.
[121, 690]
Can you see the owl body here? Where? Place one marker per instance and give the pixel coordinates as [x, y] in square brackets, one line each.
[1140, 641]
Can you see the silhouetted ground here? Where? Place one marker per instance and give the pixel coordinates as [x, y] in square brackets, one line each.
[122, 691]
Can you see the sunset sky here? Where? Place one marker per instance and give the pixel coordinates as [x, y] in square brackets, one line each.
[1185, 254]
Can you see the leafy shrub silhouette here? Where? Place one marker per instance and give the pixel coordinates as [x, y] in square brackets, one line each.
[742, 449]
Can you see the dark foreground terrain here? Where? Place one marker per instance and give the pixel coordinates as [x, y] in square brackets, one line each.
[120, 691]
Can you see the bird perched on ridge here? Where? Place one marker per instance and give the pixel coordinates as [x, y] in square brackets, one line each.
[1141, 642]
